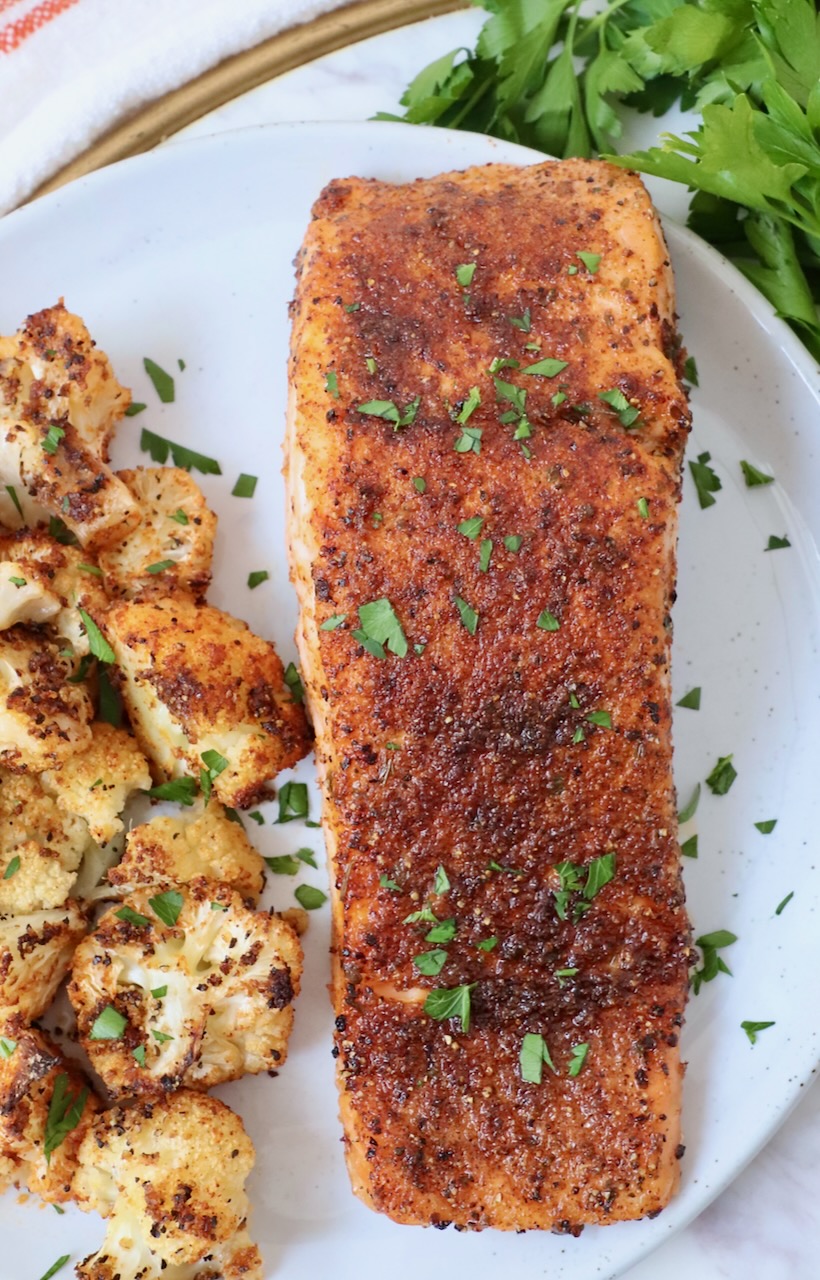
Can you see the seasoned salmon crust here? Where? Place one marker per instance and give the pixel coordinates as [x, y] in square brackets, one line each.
[485, 439]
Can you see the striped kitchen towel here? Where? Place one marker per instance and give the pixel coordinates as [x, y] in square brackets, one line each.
[71, 69]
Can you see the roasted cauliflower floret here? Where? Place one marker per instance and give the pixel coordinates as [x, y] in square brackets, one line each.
[44, 582]
[63, 356]
[95, 783]
[177, 531]
[46, 1106]
[189, 986]
[41, 847]
[175, 850]
[170, 1175]
[35, 956]
[196, 680]
[43, 717]
[54, 428]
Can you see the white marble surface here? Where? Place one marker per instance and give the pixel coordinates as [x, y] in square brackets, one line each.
[767, 1224]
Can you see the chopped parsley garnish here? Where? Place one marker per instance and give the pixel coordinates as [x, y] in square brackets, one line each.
[534, 1053]
[56, 1266]
[167, 906]
[132, 917]
[182, 790]
[524, 323]
[578, 735]
[85, 665]
[52, 438]
[64, 1114]
[471, 528]
[386, 883]
[752, 1029]
[139, 1055]
[615, 398]
[110, 700]
[179, 516]
[469, 406]
[430, 963]
[181, 365]
[487, 944]
[90, 568]
[485, 554]
[161, 1037]
[218, 906]
[424, 915]
[503, 362]
[722, 776]
[464, 274]
[307, 856]
[12, 492]
[442, 931]
[602, 718]
[547, 621]
[7, 1047]
[713, 964]
[563, 974]
[134, 408]
[690, 699]
[388, 410]
[469, 441]
[690, 371]
[160, 566]
[689, 810]
[188, 459]
[284, 865]
[591, 261]
[524, 429]
[245, 486]
[257, 577]
[507, 391]
[600, 872]
[371, 364]
[689, 848]
[441, 884]
[256, 817]
[332, 384]
[781, 906]
[558, 398]
[766, 828]
[97, 643]
[753, 477]
[109, 1025]
[162, 381]
[579, 1057]
[352, 306]
[18, 582]
[294, 682]
[159, 993]
[706, 481]
[293, 801]
[419, 484]
[570, 877]
[468, 615]
[450, 1002]
[513, 542]
[509, 871]
[214, 765]
[379, 627]
[643, 508]
[330, 624]
[309, 897]
[61, 533]
[547, 368]
[776, 544]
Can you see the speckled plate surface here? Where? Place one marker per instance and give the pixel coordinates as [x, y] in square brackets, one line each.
[186, 253]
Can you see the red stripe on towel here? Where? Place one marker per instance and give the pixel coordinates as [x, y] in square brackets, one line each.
[14, 33]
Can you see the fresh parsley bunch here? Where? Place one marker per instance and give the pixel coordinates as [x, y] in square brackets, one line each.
[543, 75]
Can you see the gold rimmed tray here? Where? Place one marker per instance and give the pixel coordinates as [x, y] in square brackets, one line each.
[247, 70]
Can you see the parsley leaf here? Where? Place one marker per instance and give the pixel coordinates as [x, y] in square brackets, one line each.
[257, 577]
[722, 776]
[546, 368]
[469, 441]
[159, 567]
[167, 906]
[245, 486]
[108, 1025]
[388, 410]
[293, 801]
[591, 261]
[487, 944]
[767, 827]
[7, 1047]
[381, 626]
[309, 897]
[330, 624]
[579, 1054]
[776, 544]
[441, 883]
[471, 528]
[689, 848]
[132, 917]
[12, 868]
[713, 964]
[294, 682]
[332, 384]
[752, 1029]
[442, 931]
[188, 459]
[485, 554]
[690, 699]
[781, 906]
[534, 1053]
[64, 1114]
[51, 440]
[162, 381]
[451, 1002]
[706, 482]
[465, 273]
[524, 322]
[183, 790]
[430, 963]
[615, 398]
[547, 621]
[468, 615]
[752, 476]
[689, 810]
[97, 643]
[513, 542]
[469, 406]
[214, 765]
[284, 865]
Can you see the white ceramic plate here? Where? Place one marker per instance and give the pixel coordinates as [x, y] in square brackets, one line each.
[186, 253]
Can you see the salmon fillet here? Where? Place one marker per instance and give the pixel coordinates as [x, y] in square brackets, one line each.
[484, 553]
